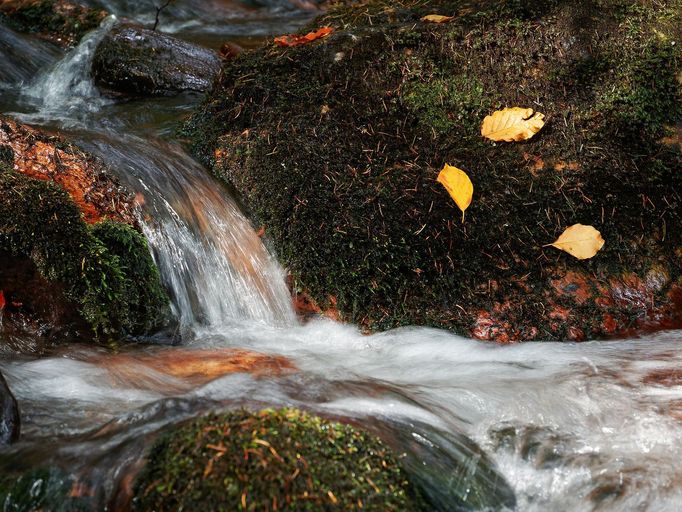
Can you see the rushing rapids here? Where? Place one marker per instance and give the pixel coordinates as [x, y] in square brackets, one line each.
[592, 426]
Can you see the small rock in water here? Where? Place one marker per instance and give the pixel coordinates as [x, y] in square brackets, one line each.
[9, 414]
[135, 60]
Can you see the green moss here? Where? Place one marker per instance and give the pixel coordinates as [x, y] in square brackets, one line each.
[41, 489]
[47, 17]
[271, 460]
[348, 192]
[146, 300]
[112, 279]
[440, 104]
[6, 155]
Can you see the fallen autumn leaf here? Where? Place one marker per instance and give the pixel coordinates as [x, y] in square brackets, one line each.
[512, 124]
[437, 18]
[580, 241]
[296, 40]
[458, 185]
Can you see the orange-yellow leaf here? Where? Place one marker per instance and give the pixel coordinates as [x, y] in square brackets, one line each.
[437, 18]
[295, 40]
[580, 241]
[458, 185]
[512, 124]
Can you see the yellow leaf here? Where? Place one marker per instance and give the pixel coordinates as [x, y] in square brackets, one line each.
[580, 241]
[437, 18]
[512, 124]
[458, 185]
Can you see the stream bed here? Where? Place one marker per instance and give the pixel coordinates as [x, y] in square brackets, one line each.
[579, 427]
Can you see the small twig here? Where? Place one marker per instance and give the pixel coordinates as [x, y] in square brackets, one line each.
[158, 13]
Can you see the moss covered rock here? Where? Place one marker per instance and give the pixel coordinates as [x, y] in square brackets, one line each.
[335, 147]
[74, 262]
[271, 460]
[61, 22]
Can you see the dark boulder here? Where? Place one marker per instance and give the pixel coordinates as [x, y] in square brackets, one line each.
[135, 60]
[9, 414]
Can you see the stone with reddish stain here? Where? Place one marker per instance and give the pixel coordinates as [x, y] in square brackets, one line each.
[87, 180]
[575, 286]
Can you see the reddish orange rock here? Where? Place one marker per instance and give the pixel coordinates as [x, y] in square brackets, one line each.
[45, 157]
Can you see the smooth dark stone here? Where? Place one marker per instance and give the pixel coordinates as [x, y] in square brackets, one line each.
[138, 61]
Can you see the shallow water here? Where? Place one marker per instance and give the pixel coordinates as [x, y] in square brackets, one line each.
[591, 426]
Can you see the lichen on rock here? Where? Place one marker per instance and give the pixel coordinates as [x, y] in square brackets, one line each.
[335, 147]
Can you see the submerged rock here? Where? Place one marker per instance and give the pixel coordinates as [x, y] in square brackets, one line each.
[335, 147]
[274, 460]
[10, 421]
[74, 261]
[61, 22]
[135, 60]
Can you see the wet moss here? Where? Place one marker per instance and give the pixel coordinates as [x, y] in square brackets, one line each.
[275, 460]
[112, 279]
[41, 489]
[335, 147]
[61, 22]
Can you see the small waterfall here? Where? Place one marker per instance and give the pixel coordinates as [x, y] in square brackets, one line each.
[217, 268]
[66, 92]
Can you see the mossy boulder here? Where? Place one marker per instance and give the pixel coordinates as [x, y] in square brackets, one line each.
[275, 460]
[61, 22]
[74, 263]
[335, 147]
[139, 61]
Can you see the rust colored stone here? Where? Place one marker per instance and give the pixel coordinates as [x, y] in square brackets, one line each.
[38, 155]
[193, 367]
[575, 286]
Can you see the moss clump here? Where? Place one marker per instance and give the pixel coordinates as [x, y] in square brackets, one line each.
[41, 489]
[146, 300]
[59, 21]
[336, 147]
[271, 460]
[112, 279]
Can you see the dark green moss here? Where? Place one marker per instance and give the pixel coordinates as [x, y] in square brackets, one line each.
[6, 155]
[336, 146]
[53, 19]
[271, 460]
[112, 279]
[41, 489]
[146, 300]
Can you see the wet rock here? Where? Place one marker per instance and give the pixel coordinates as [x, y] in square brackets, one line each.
[74, 262]
[336, 145]
[274, 460]
[10, 423]
[135, 60]
[61, 22]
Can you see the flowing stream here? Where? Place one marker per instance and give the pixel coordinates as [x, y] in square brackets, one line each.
[579, 427]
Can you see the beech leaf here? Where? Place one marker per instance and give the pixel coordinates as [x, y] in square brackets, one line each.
[437, 18]
[458, 185]
[295, 40]
[512, 124]
[580, 241]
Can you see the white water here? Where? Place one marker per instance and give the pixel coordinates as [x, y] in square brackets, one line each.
[577, 427]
